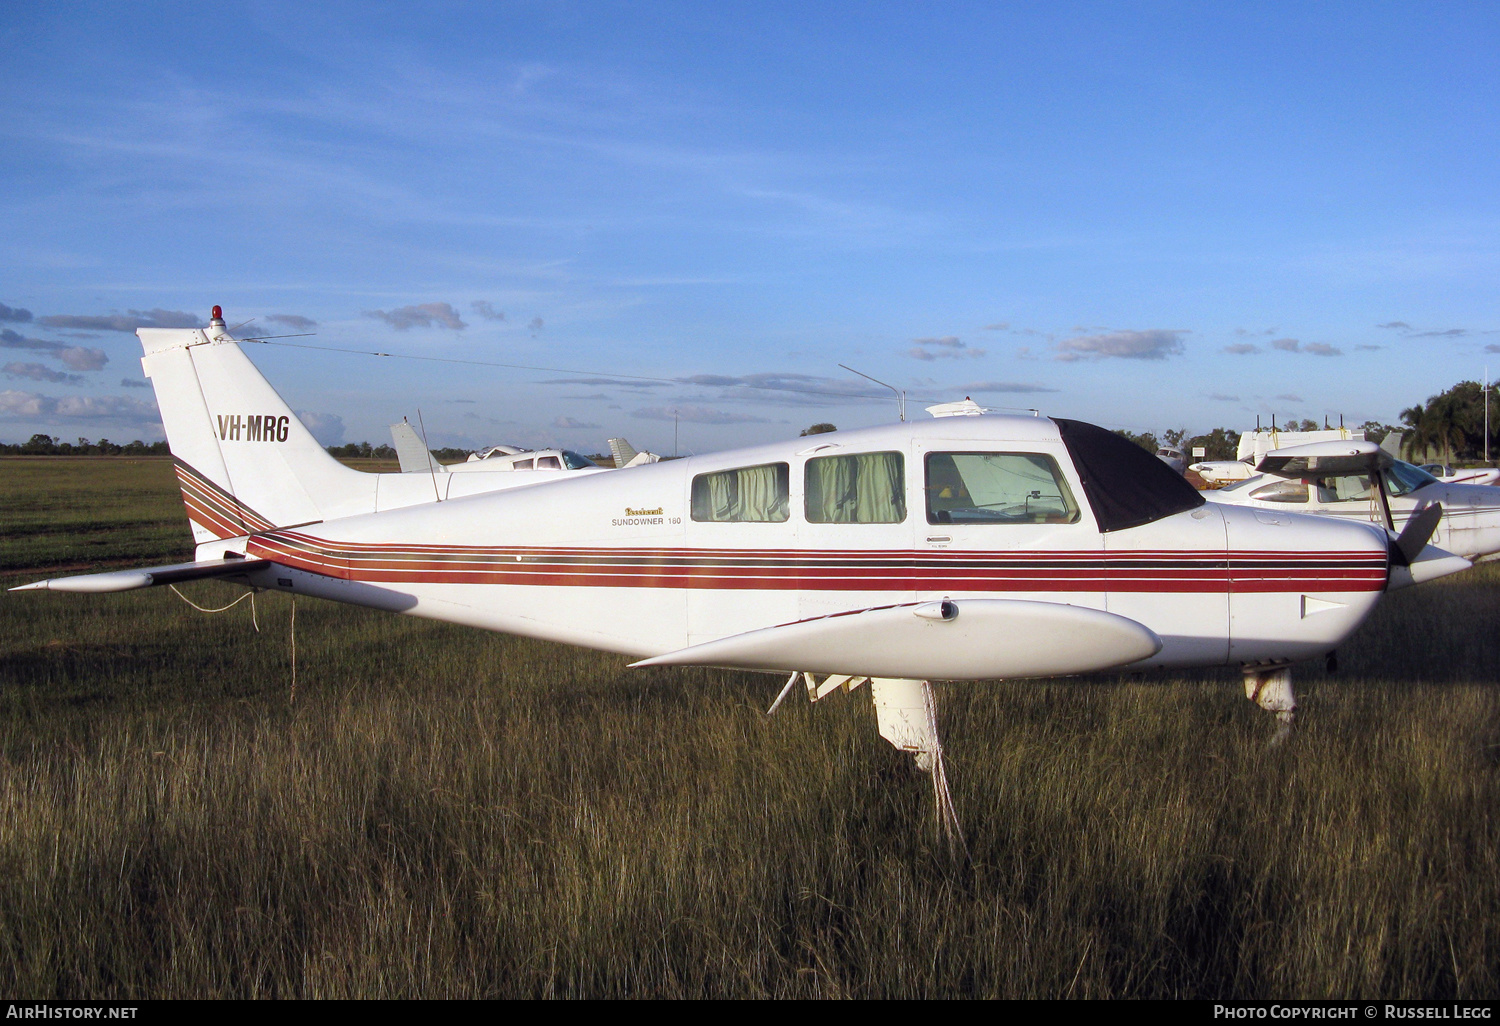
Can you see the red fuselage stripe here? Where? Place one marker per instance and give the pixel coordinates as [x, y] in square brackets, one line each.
[1153, 572]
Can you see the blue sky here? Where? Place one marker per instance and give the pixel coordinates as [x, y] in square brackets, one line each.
[1144, 215]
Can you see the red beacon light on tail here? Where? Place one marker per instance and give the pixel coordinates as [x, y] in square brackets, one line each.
[218, 314]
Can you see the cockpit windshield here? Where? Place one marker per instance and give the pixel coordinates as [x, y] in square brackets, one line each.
[575, 461]
[1401, 478]
[1126, 486]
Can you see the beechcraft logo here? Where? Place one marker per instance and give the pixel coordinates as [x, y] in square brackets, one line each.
[253, 428]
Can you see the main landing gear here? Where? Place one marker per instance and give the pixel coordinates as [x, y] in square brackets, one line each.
[906, 713]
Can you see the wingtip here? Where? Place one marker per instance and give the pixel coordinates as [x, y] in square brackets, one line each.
[37, 586]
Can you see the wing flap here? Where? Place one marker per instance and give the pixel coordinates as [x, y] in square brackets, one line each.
[962, 639]
[147, 577]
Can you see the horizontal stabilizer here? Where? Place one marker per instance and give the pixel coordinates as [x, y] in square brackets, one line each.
[147, 577]
[955, 639]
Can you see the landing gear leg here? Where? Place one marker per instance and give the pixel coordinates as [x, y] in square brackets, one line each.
[1271, 689]
[906, 711]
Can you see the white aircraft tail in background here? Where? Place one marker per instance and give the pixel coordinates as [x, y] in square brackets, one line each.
[626, 456]
[413, 453]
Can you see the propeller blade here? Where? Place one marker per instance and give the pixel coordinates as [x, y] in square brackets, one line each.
[1414, 536]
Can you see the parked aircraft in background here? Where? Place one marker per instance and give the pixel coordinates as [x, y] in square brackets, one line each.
[1172, 457]
[1255, 444]
[960, 548]
[416, 458]
[1360, 481]
[626, 456]
[1474, 475]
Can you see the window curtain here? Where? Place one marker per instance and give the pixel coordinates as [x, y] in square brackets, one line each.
[867, 488]
[746, 494]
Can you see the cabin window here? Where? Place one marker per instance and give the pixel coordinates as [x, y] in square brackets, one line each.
[1281, 491]
[860, 488]
[997, 488]
[521, 465]
[1348, 488]
[743, 495]
[548, 463]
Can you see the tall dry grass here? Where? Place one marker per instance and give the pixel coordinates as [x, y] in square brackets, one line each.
[448, 813]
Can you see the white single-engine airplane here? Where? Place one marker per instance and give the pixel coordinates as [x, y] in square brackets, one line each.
[962, 548]
[1358, 480]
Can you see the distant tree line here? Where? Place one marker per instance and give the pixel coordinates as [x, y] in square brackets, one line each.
[46, 445]
[1451, 425]
[366, 451]
[362, 451]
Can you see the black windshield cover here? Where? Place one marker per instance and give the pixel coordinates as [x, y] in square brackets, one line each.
[1126, 485]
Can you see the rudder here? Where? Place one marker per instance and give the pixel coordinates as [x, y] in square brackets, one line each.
[245, 461]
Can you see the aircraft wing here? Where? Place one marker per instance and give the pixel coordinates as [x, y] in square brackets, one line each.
[147, 577]
[1324, 459]
[953, 639]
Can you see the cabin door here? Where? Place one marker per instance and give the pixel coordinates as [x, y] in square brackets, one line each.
[999, 521]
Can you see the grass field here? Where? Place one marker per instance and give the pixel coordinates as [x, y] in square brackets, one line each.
[443, 812]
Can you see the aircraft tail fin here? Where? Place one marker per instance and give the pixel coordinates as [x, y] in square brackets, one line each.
[415, 457]
[626, 455]
[245, 461]
[1392, 443]
[622, 450]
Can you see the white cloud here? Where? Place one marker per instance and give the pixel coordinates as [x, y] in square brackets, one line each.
[327, 428]
[423, 315]
[37, 372]
[128, 321]
[16, 405]
[697, 415]
[568, 423]
[23, 404]
[292, 320]
[1291, 345]
[1156, 344]
[947, 347]
[1015, 387]
[82, 358]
